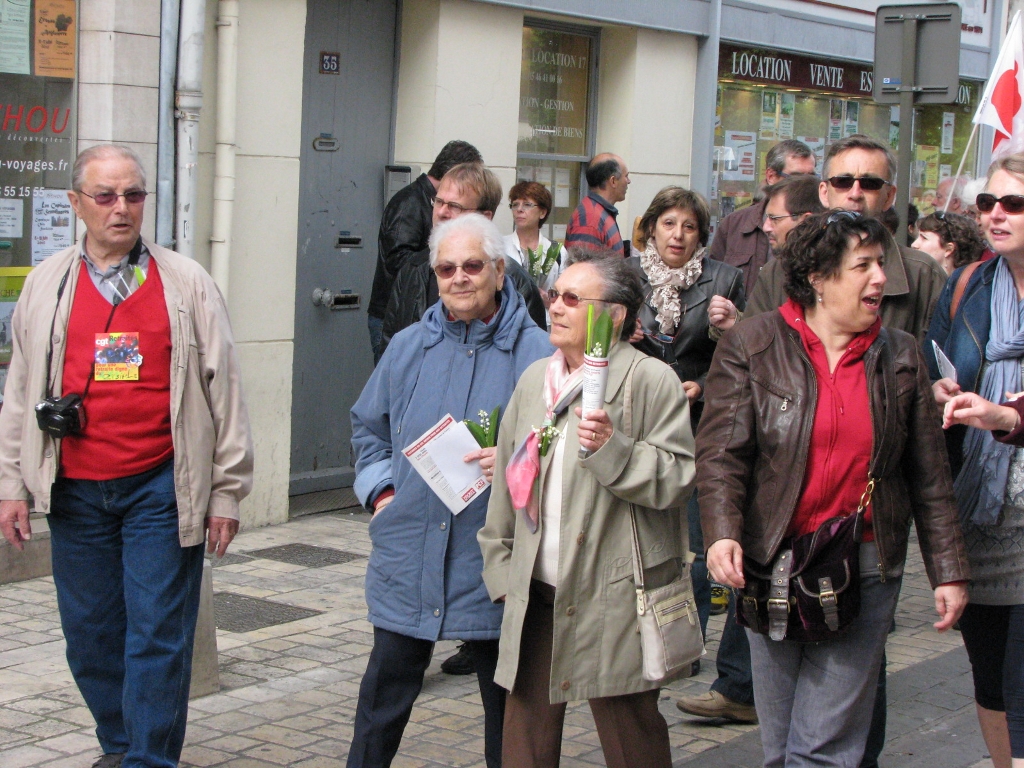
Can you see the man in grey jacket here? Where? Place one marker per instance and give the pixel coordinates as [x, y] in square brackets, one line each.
[123, 420]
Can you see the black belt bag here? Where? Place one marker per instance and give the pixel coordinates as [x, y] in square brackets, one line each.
[812, 591]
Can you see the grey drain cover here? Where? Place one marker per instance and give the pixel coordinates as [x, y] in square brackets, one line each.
[305, 554]
[229, 559]
[240, 613]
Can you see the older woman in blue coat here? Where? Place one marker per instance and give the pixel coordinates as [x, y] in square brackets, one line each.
[423, 581]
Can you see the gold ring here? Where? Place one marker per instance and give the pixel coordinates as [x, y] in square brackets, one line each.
[594, 436]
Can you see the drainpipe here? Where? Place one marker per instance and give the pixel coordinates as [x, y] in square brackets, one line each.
[165, 131]
[189, 102]
[702, 141]
[224, 173]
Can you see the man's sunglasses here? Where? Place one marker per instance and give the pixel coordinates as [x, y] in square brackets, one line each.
[472, 267]
[867, 183]
[134, 197]
[568, 298]
[1011, 203]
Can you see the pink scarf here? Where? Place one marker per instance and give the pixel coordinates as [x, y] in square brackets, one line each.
[523, 470]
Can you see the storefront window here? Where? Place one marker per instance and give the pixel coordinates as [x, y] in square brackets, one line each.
[767, 96]
[554, 116]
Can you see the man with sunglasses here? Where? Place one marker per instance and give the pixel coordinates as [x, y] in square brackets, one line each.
[740, 238]
[858, 177]
[465, 188]
[123, 419]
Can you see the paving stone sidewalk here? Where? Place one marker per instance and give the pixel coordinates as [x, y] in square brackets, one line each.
[288, 690]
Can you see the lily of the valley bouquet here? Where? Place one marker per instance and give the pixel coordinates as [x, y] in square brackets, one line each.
[485, 432]
[595, 362]
[539, 263]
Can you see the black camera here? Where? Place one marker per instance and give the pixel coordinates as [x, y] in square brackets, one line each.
[61, 416]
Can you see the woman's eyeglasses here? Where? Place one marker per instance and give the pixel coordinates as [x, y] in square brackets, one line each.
[867, 183]
[1012, 204]
[568, 298]
[519, 205]
[472, 268]
[134, 197]
[837, 216]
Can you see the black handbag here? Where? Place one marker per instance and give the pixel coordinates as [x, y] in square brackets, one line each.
[812, 591]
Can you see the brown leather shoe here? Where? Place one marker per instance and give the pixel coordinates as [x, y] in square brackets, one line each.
[714, 705]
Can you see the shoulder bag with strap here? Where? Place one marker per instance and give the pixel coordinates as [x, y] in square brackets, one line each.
[670, 636]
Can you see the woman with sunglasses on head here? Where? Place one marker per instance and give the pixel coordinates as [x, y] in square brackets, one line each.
[423, 579]
[558, 544]
[530, 203]
[949, 238]
[820, 424]
[979, 325]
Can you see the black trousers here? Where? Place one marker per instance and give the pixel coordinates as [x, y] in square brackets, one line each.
[393, 680]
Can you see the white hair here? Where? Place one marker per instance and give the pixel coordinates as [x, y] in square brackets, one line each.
[102, 152]
[971, 190]
[485, 230]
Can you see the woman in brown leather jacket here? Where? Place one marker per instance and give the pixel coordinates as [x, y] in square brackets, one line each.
[803, 406]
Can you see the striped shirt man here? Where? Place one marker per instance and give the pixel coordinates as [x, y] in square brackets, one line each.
[593, 225]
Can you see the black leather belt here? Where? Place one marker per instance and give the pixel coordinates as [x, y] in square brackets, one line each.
[778, 596]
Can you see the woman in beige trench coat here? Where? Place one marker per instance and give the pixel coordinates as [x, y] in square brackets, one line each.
[565, 573]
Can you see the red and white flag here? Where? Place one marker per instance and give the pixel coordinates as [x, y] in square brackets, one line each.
[1002, 104]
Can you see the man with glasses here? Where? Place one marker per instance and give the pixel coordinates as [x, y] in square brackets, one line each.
[465, 188]
[593, 224]
[123, 420]
[740, 238]
[858, 177]
[405, 229]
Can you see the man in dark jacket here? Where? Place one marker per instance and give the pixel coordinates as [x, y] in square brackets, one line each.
[466, 188]
[404, 230]
[740, 239]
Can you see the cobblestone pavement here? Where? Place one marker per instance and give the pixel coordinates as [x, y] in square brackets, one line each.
[288, 691]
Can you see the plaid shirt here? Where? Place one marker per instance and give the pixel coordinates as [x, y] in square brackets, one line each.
[593, 225]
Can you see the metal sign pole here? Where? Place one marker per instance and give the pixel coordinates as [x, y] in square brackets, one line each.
[908, 81]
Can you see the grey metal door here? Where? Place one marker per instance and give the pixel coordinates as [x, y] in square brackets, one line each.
[346, 138]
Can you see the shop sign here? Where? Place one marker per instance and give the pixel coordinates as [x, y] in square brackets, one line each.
[790, 70]
[37, 119]
[555, 83]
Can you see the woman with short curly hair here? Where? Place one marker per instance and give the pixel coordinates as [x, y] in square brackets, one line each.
[949, 238]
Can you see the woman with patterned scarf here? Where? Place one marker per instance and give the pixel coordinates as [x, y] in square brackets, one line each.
[983, 336]
[680, 281]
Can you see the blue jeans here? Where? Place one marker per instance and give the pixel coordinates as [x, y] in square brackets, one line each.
[814, 700]
[699, 569]
[128, 596]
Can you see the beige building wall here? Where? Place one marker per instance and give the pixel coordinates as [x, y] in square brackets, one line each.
[118, 81]
[261, 292]
[459, 76]
[649, 125]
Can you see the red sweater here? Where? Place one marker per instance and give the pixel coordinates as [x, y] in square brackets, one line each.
[841, 440]
[128, 423]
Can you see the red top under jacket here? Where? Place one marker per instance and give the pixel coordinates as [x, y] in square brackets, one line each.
[841, 441]
[128, 423]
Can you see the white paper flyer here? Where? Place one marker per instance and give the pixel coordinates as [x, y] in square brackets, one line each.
[437, 456]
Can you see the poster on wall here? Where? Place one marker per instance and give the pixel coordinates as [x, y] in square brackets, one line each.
[817, 145]
[743, 145]
[12, 280]
[562, 187]
[948, 127]
[835, 119]
[54, 42]
[15, 31]
[945, 171]
[927, 157]
[787, 108]
[852, 124]
[12, 212]
[52, 224]
[894, 127]
[769, 102]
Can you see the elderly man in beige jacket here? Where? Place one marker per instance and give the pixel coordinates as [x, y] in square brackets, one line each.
[123, 420]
